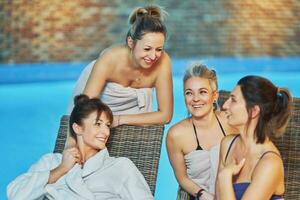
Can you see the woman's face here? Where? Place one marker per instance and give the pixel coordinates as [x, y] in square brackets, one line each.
[199, 96]
[95, 133]
[148, 49]
[235, 108]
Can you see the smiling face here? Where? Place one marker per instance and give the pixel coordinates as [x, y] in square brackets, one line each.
[95, 132]
[199, 96]
[148, 50]
[235, 109]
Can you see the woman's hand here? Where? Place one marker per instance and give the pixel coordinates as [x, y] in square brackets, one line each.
[206, 196]
[70, 157]
[116, 121]
[224, 188]
[232, 168]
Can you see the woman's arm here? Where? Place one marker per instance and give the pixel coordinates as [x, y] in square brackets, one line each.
[224, 182]
[70, 157]
[164, 94]
[31, 185]
[176, 158]
[224, 185]
[47, 170]
[99, 75]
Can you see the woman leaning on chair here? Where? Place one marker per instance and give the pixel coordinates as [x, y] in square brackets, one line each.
[193, 143]
[124, 75]
[85, 171]
[250, 164]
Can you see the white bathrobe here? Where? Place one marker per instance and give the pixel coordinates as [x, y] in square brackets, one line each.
[102, 177]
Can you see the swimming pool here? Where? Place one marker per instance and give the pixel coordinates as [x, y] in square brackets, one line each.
[35, 96]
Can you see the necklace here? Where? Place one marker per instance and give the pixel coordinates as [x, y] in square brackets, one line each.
[138, 80]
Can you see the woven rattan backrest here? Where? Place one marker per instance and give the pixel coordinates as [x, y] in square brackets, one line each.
[142, 145]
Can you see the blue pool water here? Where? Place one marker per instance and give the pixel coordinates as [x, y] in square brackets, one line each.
[34, 97]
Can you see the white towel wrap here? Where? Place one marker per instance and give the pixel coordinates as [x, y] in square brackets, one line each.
[120, 99]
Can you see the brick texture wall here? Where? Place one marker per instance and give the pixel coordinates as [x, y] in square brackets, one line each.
[77, 30]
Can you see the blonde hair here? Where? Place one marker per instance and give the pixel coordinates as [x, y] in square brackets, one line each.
[202, 71]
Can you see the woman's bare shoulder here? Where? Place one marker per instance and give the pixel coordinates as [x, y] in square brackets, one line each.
[226, 141]
[178, 129]
[162, 71]
[111, 57]
[164, 61]
[270, 165]
[114, 51]
[166, 56]
[176, 137]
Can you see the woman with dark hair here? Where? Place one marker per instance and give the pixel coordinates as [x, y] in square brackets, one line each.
[85, 171]
[250, 165]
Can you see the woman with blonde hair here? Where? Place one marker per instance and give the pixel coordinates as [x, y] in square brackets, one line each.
[193, 143]
[124, 75]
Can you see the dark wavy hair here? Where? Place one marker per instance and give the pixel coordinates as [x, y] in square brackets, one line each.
[83, 107]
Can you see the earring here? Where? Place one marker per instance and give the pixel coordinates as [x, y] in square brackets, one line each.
[215, 105]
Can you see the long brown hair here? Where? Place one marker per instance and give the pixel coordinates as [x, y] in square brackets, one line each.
[275, 105]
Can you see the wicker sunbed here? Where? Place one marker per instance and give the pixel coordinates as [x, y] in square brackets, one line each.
[289, 147]
[140, 144]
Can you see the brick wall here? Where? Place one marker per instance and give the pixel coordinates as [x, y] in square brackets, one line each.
[76, 30]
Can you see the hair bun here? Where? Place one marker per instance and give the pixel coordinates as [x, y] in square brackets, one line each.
[80, 99]
[150, 11]
[156, 11]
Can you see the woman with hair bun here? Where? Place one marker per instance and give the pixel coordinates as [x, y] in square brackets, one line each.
[84, 171]
[124, 75]
[250, 165]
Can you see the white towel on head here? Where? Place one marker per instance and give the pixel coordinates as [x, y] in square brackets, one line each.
[120, 99]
